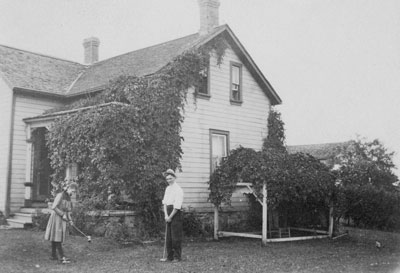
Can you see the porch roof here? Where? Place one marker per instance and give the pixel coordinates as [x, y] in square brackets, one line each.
[51, 116]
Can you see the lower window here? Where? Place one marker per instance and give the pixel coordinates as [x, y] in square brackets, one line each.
[219, 147]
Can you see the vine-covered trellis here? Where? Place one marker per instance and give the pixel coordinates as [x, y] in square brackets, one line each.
[289, 178]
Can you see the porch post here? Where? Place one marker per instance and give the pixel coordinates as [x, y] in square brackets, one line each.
[264, 216]
[28, 168]
[70, 174]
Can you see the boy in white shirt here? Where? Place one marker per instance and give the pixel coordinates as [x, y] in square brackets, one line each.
[172, 202]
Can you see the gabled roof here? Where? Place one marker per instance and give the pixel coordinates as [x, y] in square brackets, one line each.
[36, 72]
[320, 151]
[32, 71]
[141, 62]
[251, 65]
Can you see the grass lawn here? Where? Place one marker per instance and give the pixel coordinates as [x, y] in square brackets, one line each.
[27, 251]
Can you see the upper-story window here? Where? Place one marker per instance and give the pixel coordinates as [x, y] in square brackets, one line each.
[236, 82]
[203, 89]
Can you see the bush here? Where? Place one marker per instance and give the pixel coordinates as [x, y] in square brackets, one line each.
[311, 215]
[40, 220]
[85, 221]
[192, 224]
[370, 207]
[254, 213]
[119, 232]
[2, 219]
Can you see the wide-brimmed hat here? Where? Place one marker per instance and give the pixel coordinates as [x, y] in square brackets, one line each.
[70, 185]
[169, 172]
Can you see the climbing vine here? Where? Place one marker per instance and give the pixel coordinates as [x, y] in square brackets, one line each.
[276, 132]
[291, 179]
[243, 164]
[127, 143]
[248, 165]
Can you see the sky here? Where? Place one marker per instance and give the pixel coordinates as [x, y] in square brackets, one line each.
[334, 63]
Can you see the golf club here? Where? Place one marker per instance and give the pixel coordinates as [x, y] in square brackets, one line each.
[89, 238]
[163, 259]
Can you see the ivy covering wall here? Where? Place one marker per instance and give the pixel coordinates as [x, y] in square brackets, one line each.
[127, 145]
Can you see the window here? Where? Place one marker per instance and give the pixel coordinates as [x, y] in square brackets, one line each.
[219, 147]
[236, 82]
[203, 89]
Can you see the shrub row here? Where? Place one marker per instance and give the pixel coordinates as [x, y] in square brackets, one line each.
[122, 230]
[370, 207]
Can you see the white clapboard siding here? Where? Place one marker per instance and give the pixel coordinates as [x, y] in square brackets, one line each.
[246, 124]
[5, 121]
[25, 106]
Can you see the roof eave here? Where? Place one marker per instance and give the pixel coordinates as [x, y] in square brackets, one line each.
[265, 85]
[6, 80]
[37, 92]
[87, 91]
[52, 116]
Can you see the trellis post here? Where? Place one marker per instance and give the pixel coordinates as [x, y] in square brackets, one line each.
[331, 220]
[216, 222]
[264, 212]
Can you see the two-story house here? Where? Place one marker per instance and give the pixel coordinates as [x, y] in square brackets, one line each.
[231, 110]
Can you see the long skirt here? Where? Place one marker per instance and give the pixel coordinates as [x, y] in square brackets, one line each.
[56, 228]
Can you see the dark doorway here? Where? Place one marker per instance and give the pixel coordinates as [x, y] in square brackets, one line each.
[41, 166]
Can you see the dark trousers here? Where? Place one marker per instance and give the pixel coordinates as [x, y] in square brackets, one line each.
[174, 235]
[54, 247]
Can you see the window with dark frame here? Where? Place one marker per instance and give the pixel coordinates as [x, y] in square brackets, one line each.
[236, 82]
[219, 147]
[203, 89]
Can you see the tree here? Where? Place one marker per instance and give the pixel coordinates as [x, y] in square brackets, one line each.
[364, 163]
[276, 133]
[366, 193]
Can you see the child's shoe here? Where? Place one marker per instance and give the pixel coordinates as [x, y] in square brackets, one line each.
[65, 260]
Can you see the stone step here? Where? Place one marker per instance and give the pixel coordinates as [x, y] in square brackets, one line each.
[23, 218]
[16, 223]
[35, 211]
[39, 205]
[29, 210]
[27, 217]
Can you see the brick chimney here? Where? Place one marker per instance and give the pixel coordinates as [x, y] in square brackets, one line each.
[91, 50]
[209, 16]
